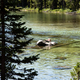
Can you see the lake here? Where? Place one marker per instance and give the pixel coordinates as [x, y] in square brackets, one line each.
[59, 61]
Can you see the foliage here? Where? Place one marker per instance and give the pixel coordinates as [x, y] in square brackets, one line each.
[52, 4]
[13, 39]
[78, 11]
[76, 72]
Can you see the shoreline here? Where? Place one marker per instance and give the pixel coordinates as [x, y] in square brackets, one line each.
[65, 11]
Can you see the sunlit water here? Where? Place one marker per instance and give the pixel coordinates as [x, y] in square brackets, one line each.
[64, 30]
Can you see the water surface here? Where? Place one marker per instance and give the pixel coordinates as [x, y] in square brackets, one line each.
[58, 62]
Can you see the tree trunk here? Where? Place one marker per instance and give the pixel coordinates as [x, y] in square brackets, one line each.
[3, 41]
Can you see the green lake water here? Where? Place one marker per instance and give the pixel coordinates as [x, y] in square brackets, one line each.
[59, 61]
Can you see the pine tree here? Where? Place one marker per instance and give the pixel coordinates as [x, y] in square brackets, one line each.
[74, 5]
[13, 38]
[54, 4]
[40, 4]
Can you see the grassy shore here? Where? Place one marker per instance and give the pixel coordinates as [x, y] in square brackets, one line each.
[48, 10]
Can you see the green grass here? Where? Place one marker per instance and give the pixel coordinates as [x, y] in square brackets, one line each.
[78, 11]
[48, 10]
[29, 9]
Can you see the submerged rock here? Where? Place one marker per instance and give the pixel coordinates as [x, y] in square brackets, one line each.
[60, 58]
[62, 67]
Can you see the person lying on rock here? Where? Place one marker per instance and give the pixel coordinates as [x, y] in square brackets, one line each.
[45, 43]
